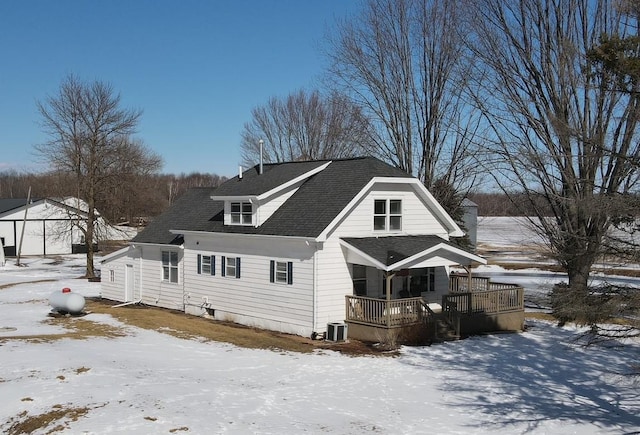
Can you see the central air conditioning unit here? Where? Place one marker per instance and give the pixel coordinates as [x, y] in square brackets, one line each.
[336, 331]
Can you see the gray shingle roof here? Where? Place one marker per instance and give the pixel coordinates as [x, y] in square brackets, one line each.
[392, 249]
[273, 175]
[305, 214]
[14, 203]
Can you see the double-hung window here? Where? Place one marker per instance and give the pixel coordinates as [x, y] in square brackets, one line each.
[206, 264]
[360, 280]
[231, 267]
[281, 272]
[387, 215]
[170, 266]
[240, 213]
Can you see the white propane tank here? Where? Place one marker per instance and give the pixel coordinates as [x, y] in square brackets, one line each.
[66, 302]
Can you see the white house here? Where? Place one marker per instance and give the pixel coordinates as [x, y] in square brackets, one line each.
[51, 226]
[280, 247]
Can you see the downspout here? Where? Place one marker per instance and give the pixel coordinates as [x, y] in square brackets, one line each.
[125, 304]
[315, 292]
[140, 273]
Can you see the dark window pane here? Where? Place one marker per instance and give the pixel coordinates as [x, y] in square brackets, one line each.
[395, 206]
[379, 222]
[395, 223]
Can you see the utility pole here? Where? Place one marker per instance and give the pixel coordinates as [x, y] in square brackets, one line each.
[24, 224]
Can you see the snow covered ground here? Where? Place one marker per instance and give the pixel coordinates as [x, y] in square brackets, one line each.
[539, 381]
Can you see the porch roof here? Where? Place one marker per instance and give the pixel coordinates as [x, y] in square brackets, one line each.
[406, 252]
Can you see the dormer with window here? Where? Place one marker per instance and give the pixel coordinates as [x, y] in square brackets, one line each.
[250, 202]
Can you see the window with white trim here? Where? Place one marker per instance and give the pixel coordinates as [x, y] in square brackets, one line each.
[206, 264]
[112, 275]
[170, 266]
[231, 267]
[387, 215]
[240, 213]
[281, 272]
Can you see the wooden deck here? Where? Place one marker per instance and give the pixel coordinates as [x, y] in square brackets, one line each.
[390, 314]
[487, 307]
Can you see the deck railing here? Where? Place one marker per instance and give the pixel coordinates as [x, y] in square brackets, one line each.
[390, 314]
[487, 298]
[488, 302]
[460, 284]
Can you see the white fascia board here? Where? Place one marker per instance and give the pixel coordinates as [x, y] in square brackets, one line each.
[250, 198]
[444, 247]
[161, 245]
[375, 263]
[236, 235]
[116, 254]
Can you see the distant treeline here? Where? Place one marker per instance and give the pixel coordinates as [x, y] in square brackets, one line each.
[147, 197]
[151, 195]
[499, 204]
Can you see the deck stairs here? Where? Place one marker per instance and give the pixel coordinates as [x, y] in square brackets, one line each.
[438, 325]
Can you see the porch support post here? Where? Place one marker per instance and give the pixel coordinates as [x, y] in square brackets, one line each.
[388, 276]
[470, 281]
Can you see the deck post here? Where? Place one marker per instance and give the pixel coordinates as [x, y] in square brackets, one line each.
[389, 277]
[469, 278]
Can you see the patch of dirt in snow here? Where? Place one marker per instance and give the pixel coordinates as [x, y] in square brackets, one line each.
[60, 415]
[186, 326]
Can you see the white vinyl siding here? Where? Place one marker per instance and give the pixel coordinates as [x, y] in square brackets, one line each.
[416, 217]
[116, 268]
[333, 284]
[253, 299]
[155, 291]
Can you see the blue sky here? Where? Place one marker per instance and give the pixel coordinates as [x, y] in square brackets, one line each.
[195, 68]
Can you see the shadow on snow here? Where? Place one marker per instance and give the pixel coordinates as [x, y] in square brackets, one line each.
[518, 379]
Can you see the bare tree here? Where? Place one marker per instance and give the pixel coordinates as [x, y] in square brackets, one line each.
[404, 62]
[90, 138]
[562, 134]
[305, 126]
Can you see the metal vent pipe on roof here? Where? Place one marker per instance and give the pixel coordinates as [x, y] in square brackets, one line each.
[261, 142]
[240, 172]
